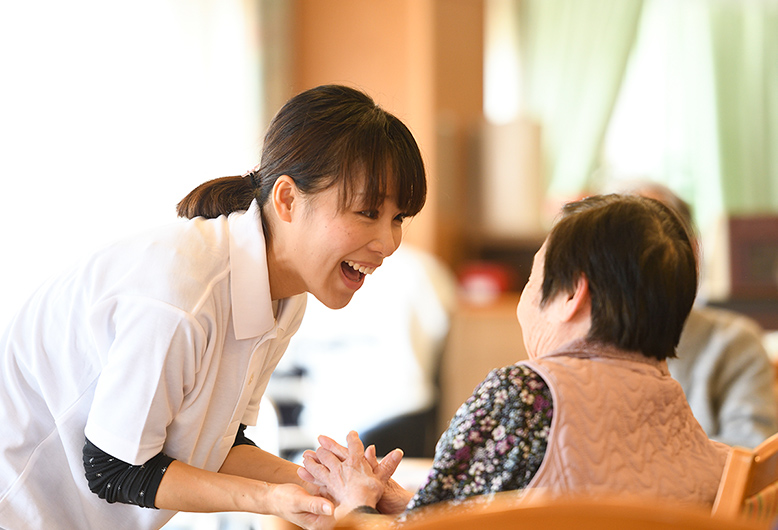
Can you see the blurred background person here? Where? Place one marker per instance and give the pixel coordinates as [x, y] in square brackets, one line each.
[722, 363]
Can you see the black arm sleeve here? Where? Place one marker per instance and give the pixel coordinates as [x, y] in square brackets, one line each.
[240, 437]
[116, 481]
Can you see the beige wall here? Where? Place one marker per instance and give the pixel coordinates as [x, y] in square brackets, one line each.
[423, 61]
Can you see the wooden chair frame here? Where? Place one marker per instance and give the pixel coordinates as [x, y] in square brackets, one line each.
[506, 511]
[746, 473]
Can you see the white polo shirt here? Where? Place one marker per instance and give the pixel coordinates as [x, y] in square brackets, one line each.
[163, 342]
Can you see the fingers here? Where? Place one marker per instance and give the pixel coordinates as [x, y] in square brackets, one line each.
[329, 447]
[353, 443]
[331, 457]
[355, 448]
[306, 475]
[315, 467]
[319, 506]
[310, 454]
[388, 464]
[294, 504]
[319, 466]
[370, 456]
[333, 446]
[316, 513]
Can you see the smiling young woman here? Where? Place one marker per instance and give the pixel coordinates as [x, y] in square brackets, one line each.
[129, 380]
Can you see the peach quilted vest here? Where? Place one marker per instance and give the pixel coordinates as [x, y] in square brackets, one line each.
[622, 424]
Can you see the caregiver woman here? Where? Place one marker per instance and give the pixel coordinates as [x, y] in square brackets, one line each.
[127, 382]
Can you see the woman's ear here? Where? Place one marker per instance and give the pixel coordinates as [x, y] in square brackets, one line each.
[578, 303]
[284, 197]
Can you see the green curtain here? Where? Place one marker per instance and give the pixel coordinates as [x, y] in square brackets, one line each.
[573, 57]
[664, 127]
[745, 51]
[699, 102]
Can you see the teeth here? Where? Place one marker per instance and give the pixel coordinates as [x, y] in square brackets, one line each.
[360, 268]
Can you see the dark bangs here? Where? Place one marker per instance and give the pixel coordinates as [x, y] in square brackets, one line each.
[382, 151]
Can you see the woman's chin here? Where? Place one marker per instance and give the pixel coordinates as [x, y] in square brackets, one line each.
[336, 302]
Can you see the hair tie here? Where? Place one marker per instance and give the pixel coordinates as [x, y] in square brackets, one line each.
[253, 178]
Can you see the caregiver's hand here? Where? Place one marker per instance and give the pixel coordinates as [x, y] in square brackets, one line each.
[298, 506]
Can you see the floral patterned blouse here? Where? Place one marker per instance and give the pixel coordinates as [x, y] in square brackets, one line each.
[496, 440]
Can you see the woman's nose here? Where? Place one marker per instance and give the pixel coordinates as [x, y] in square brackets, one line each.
[387, 239]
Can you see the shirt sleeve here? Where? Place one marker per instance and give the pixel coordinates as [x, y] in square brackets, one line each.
[150, 354]
[496, 440]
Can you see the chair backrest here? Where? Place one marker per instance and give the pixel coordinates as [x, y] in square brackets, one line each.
[582, 513]
[749, 484]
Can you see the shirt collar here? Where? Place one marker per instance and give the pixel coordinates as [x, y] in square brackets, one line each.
[252, 311]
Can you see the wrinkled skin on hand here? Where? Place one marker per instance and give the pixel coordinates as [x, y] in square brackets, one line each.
[353, 476]
[395, 497]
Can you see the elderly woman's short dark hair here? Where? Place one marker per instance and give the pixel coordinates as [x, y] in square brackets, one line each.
[639, 260]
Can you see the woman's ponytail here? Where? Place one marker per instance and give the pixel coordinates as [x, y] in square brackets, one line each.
[220, 196]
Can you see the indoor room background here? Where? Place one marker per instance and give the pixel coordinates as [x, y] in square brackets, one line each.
[110, 112]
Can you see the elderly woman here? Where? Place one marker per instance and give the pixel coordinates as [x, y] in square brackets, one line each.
[594, 409]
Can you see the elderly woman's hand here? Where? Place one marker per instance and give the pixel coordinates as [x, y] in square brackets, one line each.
[352, 476]
[395, 497]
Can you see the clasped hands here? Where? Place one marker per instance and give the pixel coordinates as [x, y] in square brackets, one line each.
[352, 476]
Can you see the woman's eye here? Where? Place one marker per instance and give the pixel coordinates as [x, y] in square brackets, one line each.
[400, 217]
[370, 214]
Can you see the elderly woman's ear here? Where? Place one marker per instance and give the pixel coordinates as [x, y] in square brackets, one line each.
[576, 305]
